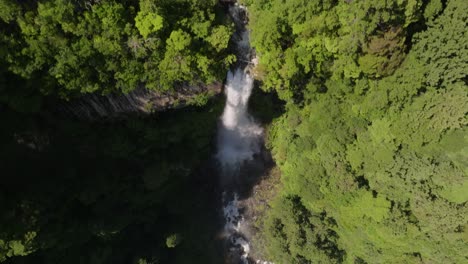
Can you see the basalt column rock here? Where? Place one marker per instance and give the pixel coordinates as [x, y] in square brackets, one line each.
[138, 101]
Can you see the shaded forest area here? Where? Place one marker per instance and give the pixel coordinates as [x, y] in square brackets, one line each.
[109, 192]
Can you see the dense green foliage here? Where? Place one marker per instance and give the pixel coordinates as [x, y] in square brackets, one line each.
[373, 147]
[75, 47]
[299, 39]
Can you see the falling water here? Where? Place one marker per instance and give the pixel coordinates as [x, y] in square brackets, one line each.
[239, 142]
[239, 135]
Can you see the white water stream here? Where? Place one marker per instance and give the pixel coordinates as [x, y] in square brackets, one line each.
[239, 136]
[239, 140]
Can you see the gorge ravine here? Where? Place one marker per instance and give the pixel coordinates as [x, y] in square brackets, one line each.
[239, 145]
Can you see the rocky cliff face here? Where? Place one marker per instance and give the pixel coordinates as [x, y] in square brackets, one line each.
[139, 101]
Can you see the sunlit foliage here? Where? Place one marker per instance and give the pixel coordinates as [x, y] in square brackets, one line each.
[379, 161]
[78, 47]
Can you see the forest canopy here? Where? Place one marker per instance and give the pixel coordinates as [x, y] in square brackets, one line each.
[79, 47]
[374, 143]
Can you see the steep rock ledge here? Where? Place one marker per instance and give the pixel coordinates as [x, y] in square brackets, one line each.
[139, 101]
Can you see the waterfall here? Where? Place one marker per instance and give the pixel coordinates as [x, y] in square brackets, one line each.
[239, 139]
[239, 142]
[239, 135]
